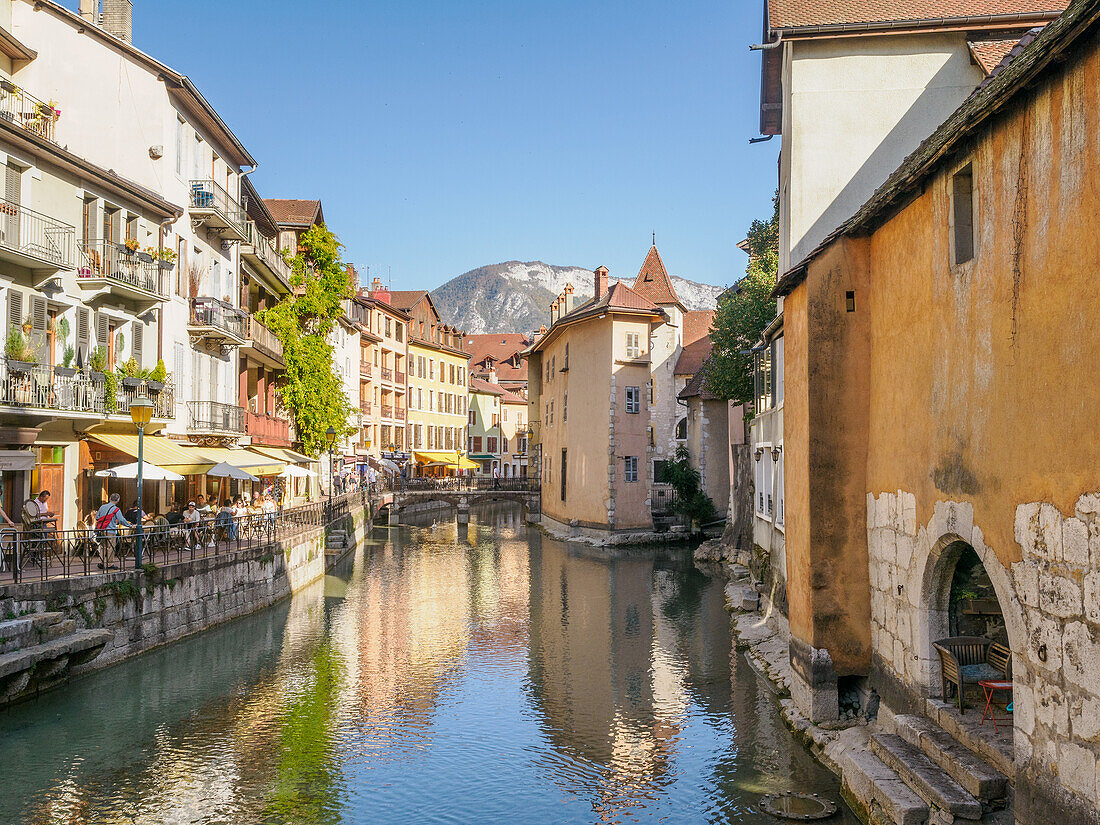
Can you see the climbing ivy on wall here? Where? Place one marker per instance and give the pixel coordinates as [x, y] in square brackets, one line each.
[310, 388]
[743, 312]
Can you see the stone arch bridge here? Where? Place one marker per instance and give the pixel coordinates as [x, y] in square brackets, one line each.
[417, 498]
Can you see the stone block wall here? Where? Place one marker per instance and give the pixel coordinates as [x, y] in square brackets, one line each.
[1050, 600]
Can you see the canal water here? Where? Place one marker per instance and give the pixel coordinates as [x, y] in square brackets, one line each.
[445, 674]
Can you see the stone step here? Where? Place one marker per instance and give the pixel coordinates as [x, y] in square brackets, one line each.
[81, 645]
[977, 776]
[878, 789]
[31, 629]
[930, 782]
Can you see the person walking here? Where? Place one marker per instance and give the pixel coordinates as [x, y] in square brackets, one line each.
[107, 520]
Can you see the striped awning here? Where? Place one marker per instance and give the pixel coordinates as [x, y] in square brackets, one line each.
[161, 451]
[255, 463]
[283, 454]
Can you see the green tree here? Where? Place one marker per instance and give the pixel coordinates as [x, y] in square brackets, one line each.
[310, 388]
[743, 312]
[690, 500]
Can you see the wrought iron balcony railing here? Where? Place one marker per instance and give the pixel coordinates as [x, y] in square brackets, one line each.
[387, 374]
[210, 313]
[211, 203]
[41, 387]
[34, 235]
[116, 264]
[215, 417]
[387, 411]
[267, 429]
[20, 107]
[262, 337]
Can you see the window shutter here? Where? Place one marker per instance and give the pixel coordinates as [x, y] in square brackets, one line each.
[139, 342]
[102, 330]
[38, 313]
[15, 308]
[83, 334]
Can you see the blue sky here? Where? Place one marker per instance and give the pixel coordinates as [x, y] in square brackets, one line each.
[441, 136]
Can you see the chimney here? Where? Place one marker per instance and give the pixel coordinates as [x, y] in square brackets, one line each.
[568, 298]
[553, 311]
[601, 282]
[89, 11]
[379, 292]
[116, 18]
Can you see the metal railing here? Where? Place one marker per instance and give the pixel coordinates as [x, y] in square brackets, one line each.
[364, 369]
[215, 417]
[215, 314]
[36, 235]
[474, 484]
[364, 407]
[20, 107]
[267, 429]
[39, 386]
[262, 337]
[265, 250]
[662, 500]
[387, 374]
[399, 378]
[37, 554]
[106, 259]
[387, 411]
[209, 195]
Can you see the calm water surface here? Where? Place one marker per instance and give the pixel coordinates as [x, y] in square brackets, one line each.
[445, 675]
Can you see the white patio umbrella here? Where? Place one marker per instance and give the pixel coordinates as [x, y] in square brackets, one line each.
[294, 471]
[149, 472]
[389, 465]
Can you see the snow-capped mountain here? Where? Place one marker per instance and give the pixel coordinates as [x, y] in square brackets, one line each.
[515, 296]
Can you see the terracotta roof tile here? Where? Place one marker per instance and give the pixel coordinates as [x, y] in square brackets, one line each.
[697, 323]
[481, 385]
[294, 212]
[653, 281]
[620, 296]
[988, 53]
[510, 397]
[789, 14]
[695, 388]
[693, 356]
[503, 348]
[406, 299]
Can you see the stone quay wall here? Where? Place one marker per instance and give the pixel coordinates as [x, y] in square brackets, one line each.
[144, 610]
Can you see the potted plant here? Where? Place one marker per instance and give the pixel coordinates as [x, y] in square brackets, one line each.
[166, 258]
[131, 374]
[21, 356]
[67, 369]
[8, 86]
[129, 246]
[155, 382]
[97, 363]
[147, 255]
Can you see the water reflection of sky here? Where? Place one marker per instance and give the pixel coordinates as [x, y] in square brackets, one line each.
[450, 673]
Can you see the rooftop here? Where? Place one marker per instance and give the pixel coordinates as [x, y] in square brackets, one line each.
[294, 212]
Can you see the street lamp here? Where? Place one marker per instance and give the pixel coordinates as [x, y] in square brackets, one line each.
[330, 438]
[141, 413]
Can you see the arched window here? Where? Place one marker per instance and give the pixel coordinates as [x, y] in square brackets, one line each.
[682, 429]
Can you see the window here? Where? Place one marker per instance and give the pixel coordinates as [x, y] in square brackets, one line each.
[566, 367]
[475, 441]
[762, 378]
[650, 390]
[473, 417]
[780, 502]
[660, 472]
[682, 429]
[633, 348]
[504, 413]
[491, 441]
[564, 465]
[630, 470]
[651, 440]
[777, 371]
[633, 399]
[181, 147]
[764, 470]
[388, 326]
[564, 408]
[451, 373]
[196, 159]
[962, 213]
[399, 332]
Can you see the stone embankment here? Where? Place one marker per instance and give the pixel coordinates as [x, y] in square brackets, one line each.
[895, 770]
[60, 628]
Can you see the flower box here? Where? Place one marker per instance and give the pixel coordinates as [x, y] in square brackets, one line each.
[145, 257]
[65, 372]
[131, 383]
[154, 387]
[169, 265]
[21, 367]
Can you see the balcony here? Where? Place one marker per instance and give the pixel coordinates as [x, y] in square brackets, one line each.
[215, 418]
[399, 377]
[260, 252]
[39, 388]
[364, 369]
[213, 208]
[267, 430]
[387, 374]
[387, 411]
[35, 241]
[262, 343]
[217, 323]
[25, 110]
[110, 269]
[364, 408]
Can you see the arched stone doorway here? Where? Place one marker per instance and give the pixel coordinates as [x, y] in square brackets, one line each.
[967, 592]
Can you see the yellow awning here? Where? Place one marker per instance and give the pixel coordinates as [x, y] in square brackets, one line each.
[158, 450]
[451, 459]
[255, 463]
[283, 454]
